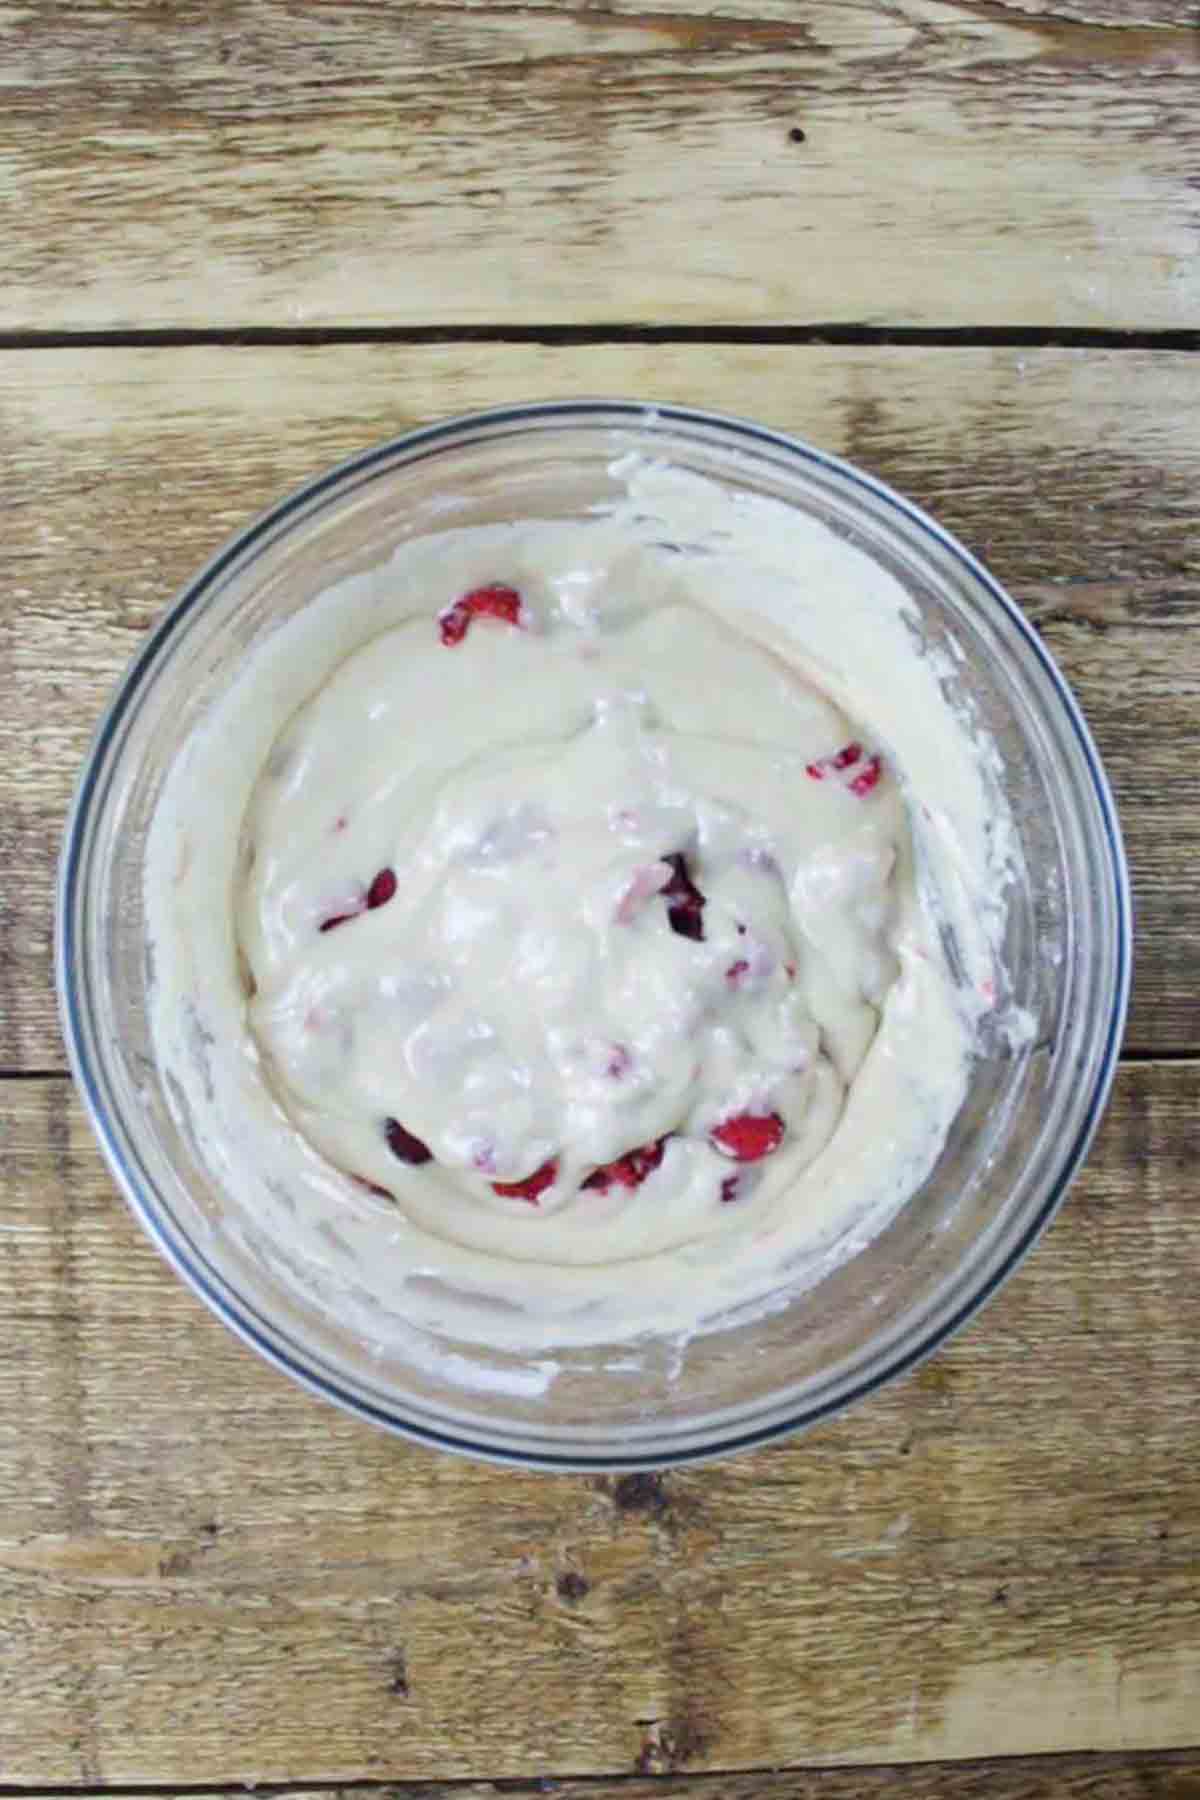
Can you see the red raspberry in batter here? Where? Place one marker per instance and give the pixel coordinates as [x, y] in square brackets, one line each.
[405, 1144]
[749, 1137]
[532, 1186]
[381, 890]
[494, 602]
[851, 756]
[685, 902]
[630, 1170]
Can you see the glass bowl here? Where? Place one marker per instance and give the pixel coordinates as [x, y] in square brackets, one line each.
[1008, 1159]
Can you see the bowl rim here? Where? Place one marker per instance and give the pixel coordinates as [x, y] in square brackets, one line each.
[239, 1316]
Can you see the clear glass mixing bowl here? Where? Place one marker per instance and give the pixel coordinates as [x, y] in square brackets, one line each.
[1017, 1142]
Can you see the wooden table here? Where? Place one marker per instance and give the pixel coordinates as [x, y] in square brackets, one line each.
[956, 240]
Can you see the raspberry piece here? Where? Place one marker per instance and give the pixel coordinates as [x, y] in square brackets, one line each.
[630, 1170]
[685, 902]
[494, 602]
[845, 758]
[532, 1186]
[749, 1137]
[867, 777]
[340, 919]
[730, 1188]
[686, 922]
[405, 1145]
[382, 889]
[849, 757]
[736, 970]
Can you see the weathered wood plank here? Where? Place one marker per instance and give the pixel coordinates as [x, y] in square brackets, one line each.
[207, 1576]
[1114, 13]
[273, 163]
[1074, 473]
[1148, 1775]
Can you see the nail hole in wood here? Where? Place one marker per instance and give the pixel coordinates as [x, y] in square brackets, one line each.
[797, 136]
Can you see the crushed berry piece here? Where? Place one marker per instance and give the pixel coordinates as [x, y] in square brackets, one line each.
[405, 1145]
[749, 1137]
[532, 1186]
[685, 901]
[494, 602]
[730, 1188]
[845, 758]
[686, 922]
[382, 889]
[867, 777]
[339, 919]
[736, 970]
[849, 757]
[629, 1170]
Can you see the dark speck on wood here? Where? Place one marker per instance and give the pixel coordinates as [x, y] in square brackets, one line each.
[644, 1492]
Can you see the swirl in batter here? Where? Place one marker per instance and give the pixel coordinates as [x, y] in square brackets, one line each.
[582, 919]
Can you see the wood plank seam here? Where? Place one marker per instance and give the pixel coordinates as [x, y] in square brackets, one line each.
[1094, 1775]
[829, 334]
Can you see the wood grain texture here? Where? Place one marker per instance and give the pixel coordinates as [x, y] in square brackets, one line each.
[1074, 473]
[207, 1576]
[1153, 1775]
[1117, 14]
[267, 162]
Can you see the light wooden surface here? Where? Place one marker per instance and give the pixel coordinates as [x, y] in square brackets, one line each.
[1074, 473]
[208, 1579]
[214, 1575]
[266, 162]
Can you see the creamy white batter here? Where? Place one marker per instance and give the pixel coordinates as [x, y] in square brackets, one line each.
[556, 967]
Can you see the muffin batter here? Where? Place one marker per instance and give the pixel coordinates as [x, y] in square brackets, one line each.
[580, 958]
